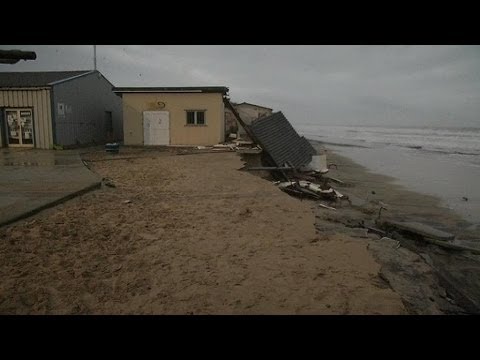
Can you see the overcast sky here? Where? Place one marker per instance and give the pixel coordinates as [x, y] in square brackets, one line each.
[326, 85]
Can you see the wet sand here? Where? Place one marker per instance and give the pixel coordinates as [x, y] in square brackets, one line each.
[446, 176]
[186, 235]
[430, 280]
[400, 201]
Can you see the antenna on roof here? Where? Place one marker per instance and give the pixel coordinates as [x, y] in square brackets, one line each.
[94, 57]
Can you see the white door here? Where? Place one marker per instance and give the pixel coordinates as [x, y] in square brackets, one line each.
[156, 128]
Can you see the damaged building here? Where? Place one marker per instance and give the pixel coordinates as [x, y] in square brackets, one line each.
[290, 158]
[248, 112]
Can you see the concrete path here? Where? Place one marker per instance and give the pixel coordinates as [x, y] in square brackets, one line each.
[32, 180]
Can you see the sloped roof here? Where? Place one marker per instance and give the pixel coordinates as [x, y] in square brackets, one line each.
[36, 78]
[279, 139]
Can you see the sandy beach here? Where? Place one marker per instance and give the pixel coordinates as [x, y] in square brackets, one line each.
[192, 180]
[193, 234]
[185, 235]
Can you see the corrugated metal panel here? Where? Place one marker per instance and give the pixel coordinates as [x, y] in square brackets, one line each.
[2, 125]
[280, 140]
[39, 100]
[85, 101]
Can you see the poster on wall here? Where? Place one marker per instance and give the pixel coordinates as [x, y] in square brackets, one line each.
[61, 109]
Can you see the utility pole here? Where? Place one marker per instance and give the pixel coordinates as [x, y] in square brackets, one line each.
[95, 57]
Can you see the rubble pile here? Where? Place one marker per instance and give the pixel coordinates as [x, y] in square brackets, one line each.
[290, 158]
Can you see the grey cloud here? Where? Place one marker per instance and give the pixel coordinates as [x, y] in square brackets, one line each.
[357, 85]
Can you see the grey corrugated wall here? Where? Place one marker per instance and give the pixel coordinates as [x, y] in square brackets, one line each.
[85, 100]
[39, 100]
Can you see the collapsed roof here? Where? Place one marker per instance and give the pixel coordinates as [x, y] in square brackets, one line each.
[281, 142]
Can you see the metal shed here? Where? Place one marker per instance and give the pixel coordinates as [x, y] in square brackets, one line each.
[40, 109]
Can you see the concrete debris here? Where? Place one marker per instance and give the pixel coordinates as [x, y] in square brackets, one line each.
[289, 157]
[357, 232]
[419, 229]
[317, 165]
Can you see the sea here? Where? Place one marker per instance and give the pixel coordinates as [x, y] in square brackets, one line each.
[443, 162]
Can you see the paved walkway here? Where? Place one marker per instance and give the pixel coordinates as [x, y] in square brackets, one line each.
[32, 180]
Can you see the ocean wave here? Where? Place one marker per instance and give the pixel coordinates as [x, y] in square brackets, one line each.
[450, 152]
[440, 140]
[341, 144]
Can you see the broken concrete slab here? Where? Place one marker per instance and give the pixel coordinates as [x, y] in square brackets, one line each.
[358, 232]
[412, 278]
[420, 229]
[318, 164]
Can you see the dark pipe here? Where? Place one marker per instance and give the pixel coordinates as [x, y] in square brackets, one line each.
[17, 55]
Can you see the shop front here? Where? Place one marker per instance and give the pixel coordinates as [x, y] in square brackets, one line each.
[19, 127]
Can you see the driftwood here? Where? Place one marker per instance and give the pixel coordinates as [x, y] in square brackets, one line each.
[335, 180]
[326, 207]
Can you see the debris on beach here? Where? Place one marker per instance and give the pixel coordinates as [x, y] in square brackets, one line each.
[326, 207]
[280, 142]
[108, 182]
[278, 149]
[419, 229]
[233, 145]
[423, 232]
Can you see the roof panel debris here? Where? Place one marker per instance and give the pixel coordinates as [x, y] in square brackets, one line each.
[281, 142]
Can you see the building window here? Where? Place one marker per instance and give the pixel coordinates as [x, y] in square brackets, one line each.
[195, 117]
